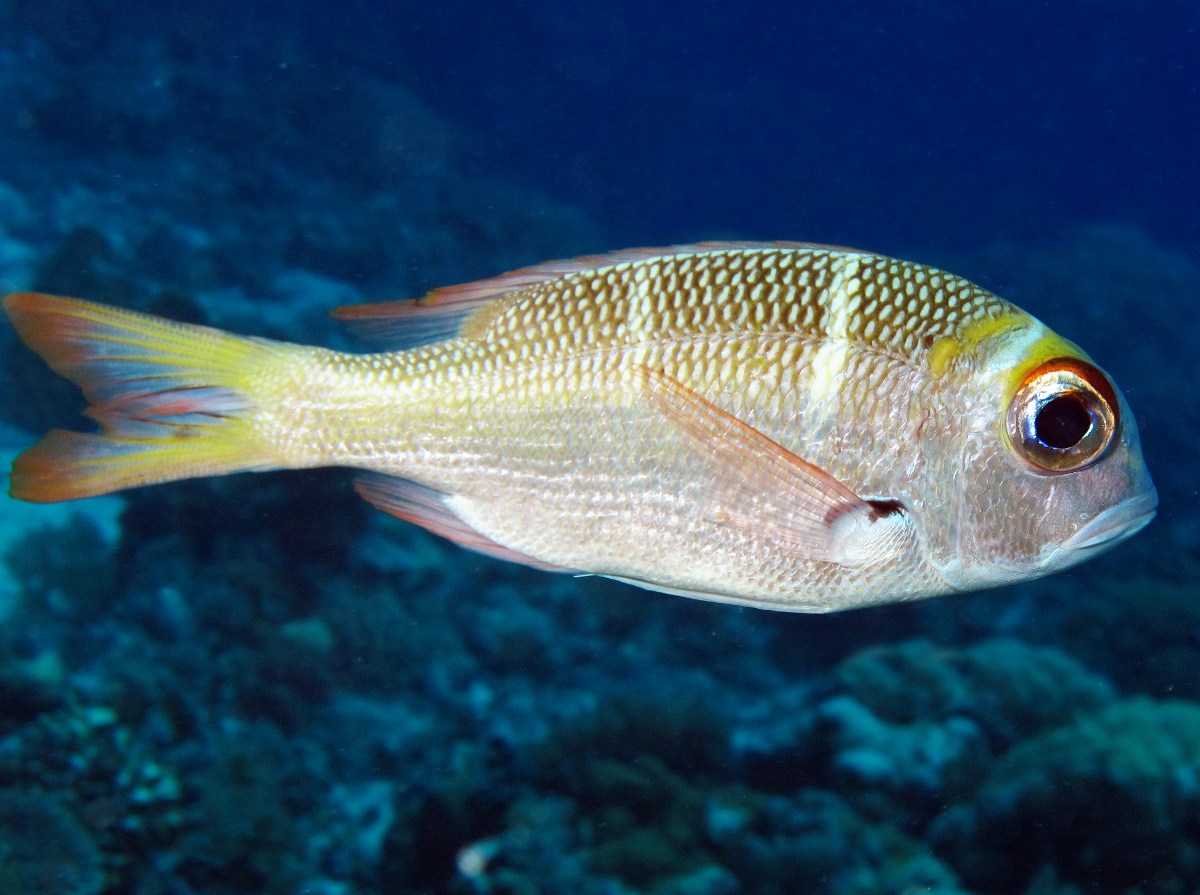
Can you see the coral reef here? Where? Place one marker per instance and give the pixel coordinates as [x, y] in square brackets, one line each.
[43, 849]
[1109, 802]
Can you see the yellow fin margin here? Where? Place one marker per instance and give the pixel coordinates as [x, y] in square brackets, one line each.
[171, 399]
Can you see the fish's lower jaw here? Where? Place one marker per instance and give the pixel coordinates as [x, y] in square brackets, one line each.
[1101, 534]
[1115, 524]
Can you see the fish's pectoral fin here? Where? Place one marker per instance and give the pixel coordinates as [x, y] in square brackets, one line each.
[759, 485]
[427, 508]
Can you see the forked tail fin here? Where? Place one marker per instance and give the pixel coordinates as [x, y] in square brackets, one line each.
[171, 399]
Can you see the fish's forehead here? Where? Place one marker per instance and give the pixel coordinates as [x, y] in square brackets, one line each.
[1001, 354]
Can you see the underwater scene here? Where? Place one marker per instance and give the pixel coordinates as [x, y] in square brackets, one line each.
[260, 683]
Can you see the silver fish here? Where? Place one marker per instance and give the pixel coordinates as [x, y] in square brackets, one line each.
[789, 426]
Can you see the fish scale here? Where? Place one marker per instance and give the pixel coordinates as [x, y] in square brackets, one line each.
[782, 425]
[706, 334]
[520, 329]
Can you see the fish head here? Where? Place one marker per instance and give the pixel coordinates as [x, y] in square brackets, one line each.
[1050, 471]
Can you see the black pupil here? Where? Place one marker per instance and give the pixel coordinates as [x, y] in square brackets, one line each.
[1062, 422]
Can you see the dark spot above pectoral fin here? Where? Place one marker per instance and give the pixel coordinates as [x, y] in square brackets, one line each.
[879, 532]
[884, 507]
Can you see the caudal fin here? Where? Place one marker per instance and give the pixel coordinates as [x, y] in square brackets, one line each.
[171, 399]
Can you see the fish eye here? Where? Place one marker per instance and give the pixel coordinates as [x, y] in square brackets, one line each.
[1064, 416]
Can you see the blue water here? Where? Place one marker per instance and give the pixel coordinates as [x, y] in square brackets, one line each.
[258, 685]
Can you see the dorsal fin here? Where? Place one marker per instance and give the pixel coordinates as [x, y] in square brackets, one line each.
[396, 325]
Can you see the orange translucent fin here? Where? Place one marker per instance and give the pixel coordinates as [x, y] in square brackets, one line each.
[396, 325]
[427, 508]
[170, 399]
[443, 313]
[760, 485]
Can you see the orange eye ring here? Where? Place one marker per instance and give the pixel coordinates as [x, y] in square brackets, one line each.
[1065, 416]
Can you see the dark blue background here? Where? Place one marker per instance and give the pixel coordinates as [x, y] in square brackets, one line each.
[875, 123]
[887, 124]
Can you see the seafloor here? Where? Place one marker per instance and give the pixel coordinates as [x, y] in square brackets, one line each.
[258, 685]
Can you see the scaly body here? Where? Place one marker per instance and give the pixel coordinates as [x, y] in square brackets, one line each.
[790, 426]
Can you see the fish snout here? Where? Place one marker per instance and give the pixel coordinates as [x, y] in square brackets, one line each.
[1116, 523]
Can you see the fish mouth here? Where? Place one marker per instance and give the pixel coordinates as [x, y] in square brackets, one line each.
[1115, 524]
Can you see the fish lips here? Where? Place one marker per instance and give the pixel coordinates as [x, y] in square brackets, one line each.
[1114, 525]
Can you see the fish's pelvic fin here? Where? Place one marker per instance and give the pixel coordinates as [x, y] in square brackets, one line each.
[170, 399]
[427, 508]
[759, 485]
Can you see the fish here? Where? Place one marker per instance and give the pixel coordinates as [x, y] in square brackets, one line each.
[789, 426]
